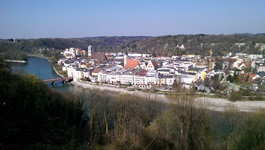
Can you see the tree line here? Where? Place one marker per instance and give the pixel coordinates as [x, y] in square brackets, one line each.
[162, 45]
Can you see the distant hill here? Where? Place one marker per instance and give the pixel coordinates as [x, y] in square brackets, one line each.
[201, 44]
[161, 45]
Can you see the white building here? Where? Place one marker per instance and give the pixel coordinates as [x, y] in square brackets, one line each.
[77, 74]
[255, 56]
[111, 77]
[70, 71]
[127, 78]
[69, 53]
[150, 78]
[140, 77]
[261, 68]
[102, 76]
[188, 78]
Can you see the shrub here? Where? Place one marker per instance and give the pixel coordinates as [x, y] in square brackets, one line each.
[235, 96]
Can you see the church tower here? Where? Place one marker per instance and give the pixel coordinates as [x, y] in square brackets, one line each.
[89, 50]
[125, 57]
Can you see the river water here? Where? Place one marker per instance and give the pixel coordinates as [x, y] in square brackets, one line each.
[43, 69]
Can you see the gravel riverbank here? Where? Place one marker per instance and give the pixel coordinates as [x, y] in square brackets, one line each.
[216, 104]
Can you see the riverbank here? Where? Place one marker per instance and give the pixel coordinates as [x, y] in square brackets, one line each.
[38, 55]
[84, 84]
[221, 104]
[56, 71]
[16, 61]
[216, 104]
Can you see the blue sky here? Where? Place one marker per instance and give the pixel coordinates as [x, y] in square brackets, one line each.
[89, 18]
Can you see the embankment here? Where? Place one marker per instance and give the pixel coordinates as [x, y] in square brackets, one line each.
[216, 104]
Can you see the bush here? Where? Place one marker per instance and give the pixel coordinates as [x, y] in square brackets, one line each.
[235, 96]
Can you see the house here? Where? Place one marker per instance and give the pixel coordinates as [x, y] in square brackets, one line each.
[261, 68]
[163, 70]
[243, 65]
[95, 71]
[112, 77]
[150, 77]
[77, 74]
[237, 63]
[79, 52]
[255, 56]
[143, 64]
[140, 77]
[164, 79]
[69, 53]
[102, 76]
[188, 77]
[69, 71]
[127, 77]
[152, 65]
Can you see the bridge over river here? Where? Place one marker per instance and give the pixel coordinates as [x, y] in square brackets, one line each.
[63, 79]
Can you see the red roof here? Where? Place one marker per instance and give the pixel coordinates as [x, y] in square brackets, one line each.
[100, 57]
[69, 55]
[96, 70]
[141, 73]
[131, 63]
[154, 63]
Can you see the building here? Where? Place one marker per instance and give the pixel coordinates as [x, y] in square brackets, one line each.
[162, 79]
[152, 65]
[140, 77]
[69, 53]
[131, 63]
[95, 57]
[95, 71]
[150, 77]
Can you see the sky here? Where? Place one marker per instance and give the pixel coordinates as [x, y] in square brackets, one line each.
[91, 18]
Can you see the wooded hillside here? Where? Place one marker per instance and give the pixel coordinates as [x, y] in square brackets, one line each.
[162, 45]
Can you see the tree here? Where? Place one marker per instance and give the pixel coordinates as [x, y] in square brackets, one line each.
[153, 54]
[235, 96]
[177, 86]
[218, 63]
[230, 125]
[46, 119]
[253, 135]
[183, 125]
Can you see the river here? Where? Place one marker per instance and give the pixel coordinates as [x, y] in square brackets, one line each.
[43, 69]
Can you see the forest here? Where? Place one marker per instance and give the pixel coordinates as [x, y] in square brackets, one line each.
[33, 116]
[167, 45]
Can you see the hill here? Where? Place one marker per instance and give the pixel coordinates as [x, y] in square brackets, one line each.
[160, 45]
[201, 44]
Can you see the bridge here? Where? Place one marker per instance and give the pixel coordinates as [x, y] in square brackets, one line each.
[63, 79]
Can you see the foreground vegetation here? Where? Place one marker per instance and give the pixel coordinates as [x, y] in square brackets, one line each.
[32, 116]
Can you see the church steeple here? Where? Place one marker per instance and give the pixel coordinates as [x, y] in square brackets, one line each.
[89, 50]
[125, 57]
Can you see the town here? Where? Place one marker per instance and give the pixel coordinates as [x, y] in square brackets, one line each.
[222, 74]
